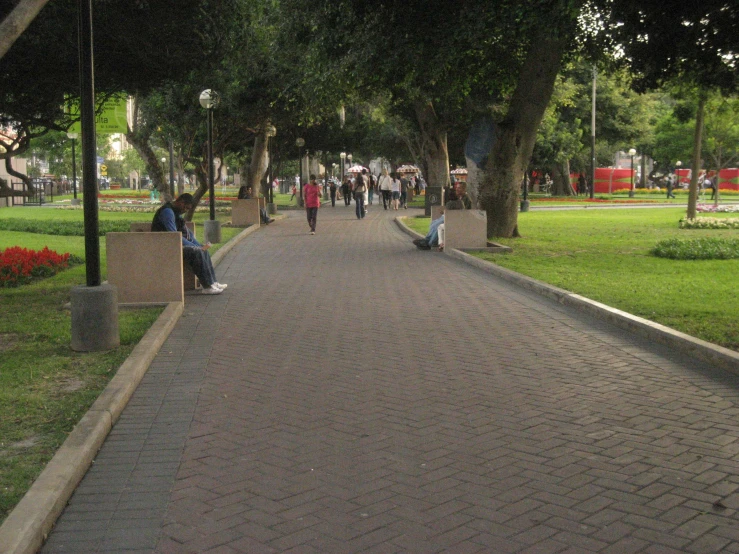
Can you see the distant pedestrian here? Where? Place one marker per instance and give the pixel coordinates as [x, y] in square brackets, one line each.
[670, 183]
[404, 192]
[346, 187]
[582, 184]
[360, 189]
[332, 192]
[371, 189]
[385, 185]
[295, 191]
[395, 188]
[312, 201]
[714, 186]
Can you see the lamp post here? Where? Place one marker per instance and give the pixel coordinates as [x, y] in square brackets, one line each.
[73, 138]
[271, 132]
[632, 153]
[171, 167]
[342, 164]
[349, 158]
[209, 101]
[299, 142]
[678, 164]
[95, 306]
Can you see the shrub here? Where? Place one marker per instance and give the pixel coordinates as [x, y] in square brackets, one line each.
[19, 266]
[61, 228]
[697, 249]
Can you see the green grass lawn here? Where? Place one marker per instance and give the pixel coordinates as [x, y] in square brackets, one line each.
[45, 387]
[604, 255]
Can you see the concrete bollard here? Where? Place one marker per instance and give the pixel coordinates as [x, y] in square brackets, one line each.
[95, 318]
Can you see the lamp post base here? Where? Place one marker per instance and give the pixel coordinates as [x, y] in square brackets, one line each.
[631, 194]
[524, 205]
[212, 231]
[95, 318]
[75, 201]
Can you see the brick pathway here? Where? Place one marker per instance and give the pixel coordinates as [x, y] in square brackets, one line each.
[349, 393]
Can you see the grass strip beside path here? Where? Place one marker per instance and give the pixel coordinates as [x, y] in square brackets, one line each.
[604, 255]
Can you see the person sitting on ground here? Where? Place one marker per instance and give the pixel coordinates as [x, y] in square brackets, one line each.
[245, 193]
[169, 218]
[457, 199]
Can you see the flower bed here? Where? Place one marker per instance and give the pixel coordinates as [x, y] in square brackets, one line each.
[19, 266]
[710, 208]
[710, 223]
[698, 249]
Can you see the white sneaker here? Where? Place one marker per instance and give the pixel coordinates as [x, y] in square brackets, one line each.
[221, 286]
[212, 290]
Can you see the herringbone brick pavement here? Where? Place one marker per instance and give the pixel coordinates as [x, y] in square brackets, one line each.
[349, 393]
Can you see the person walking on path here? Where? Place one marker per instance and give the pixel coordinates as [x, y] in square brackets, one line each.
[670, 184]
[332, 193]
[169, 218]
[404, 193]
[312, 201]
[371, 188]
[395, 188]
[385, 185]
[360, 189]
[346, 186]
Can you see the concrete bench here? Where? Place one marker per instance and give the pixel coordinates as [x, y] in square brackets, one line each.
[465, 229]
[246, 212]
[190, 282]
[145, 267]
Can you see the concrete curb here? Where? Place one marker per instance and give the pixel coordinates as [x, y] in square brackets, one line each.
[26, 528]
[687, 344]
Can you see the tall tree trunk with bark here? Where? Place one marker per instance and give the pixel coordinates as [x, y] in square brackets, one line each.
[259, 162]
[562, 185]
[435, 149]
[695, 169]
[499, 189]
[140, 142]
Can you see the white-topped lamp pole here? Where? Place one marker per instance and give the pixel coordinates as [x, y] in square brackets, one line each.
[632, 153]
[209, 101]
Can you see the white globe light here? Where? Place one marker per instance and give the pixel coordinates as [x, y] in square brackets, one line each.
[209, 99]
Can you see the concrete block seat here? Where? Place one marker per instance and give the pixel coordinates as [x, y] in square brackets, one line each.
[246, 212]
[145, 267]
[137, 258]
[465, 229]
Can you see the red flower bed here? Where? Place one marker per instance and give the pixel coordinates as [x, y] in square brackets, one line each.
[19, 266]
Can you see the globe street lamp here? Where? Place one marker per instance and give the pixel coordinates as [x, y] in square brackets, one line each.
[349, 157]
[299, 142]
[73, 138]
[632, 153]
[209, 101]
[343, 162]
[678, 164]
[271, 131]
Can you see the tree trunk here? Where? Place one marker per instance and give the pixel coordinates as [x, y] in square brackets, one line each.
[259, 162]
[26, 180]
[562, 184]
[499, 189]
[697, 140]
[435, 146]
[153, 167]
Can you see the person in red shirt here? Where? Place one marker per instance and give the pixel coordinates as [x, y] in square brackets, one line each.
[312, 201]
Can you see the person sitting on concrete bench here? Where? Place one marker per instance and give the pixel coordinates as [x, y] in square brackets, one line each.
[457, 199]
[169, 218]
[245, 193]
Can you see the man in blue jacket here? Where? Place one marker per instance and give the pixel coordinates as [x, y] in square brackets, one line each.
[169, 218]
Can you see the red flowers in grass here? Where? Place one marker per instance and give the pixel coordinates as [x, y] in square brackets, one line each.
[19, 266]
